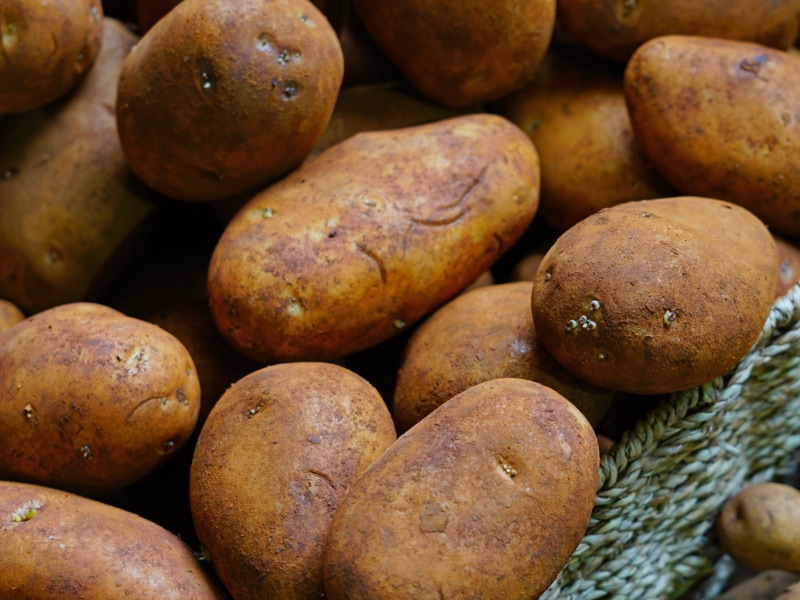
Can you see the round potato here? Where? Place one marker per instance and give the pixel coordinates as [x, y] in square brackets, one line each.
[277, 454]
[369, 237]
[55, 545]
[482, 335]
[656, 296]
[47, 49]
[208, 110]
[487, 496]
[92, 400]
[718, 119]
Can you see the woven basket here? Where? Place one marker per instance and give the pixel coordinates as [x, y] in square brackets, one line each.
[651, 534]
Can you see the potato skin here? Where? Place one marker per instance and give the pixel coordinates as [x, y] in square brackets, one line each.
[55, 545]
[465, 53]
[208, 110]
[615, 29]
[486, 497]
[482, 335]
[656, 296]
[369, 237]
[717, 119]
[92, 400]
[277, 454]
[48, 48]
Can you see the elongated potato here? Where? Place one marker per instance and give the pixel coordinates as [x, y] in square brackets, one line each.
[277, 454]
[718, 119]
[92, 400]
[372, 235]
[486, 497]
[55, 545]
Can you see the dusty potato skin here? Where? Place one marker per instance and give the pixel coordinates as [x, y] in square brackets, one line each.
[482, 335]
[92, 400]
[375, 233]
[10, 315]
[656, 296]
[48, 48]
[486, 497]
[208, 110]
[575, 113]
[56, 545]
[759, 527]
[465, 53]
[615, 29]
[276, 456]
[717, 119]
[70, 208]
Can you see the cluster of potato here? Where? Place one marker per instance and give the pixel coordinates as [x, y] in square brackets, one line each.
[350, 296]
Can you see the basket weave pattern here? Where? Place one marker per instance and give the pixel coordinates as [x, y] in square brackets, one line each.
[651, 534]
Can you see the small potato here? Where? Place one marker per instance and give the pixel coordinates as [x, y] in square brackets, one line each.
[486, 497]
[92, 400]
[483, 335]
[47, 49]
[9, 315]
[59, 546]
[718, 119]
[656, 296]
[277, 454]
[372, 235]
[760, 527]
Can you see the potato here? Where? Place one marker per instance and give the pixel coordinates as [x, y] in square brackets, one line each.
[92, 399]
[462, 54]
[9, 315]
[149, 12]
[574, 112]
[760, 526]
[277, 454]
[656, 296]
[717, 119]
[615, 29]
[47, 49]
[59, 546]
[789, 268]
[208, 110]
[371, 236]
[483, 335]
[486, 497]
[71, 211]
[764, 585]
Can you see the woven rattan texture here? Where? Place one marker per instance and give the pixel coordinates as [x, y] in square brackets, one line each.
[651, 535]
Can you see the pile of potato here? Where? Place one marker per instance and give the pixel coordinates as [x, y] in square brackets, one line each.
[345, 299]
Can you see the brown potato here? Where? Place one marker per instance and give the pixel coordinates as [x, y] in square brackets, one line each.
[486, 497]
[718, 119]
[575, 113]
[371, 236]
[92, 399]
[277, 454]
[763, 585]
[206, 110]
[71, 211]
[486, 334]
[656, 296]
[9, 315]
[760, 526]
[462, 54]
[615, 29]
[47, 49]
[59, 546]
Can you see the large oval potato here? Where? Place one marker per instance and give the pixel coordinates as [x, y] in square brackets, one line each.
[277, 454]
[55, 545]
[47, 49]
[718, 118]
[656, 296]
[219, 98]
[92, 400]
[486, 497]
[372, 235]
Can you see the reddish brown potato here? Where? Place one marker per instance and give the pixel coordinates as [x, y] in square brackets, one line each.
[59, 546]
[47, 49]
[9, 315]
[92, 400]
